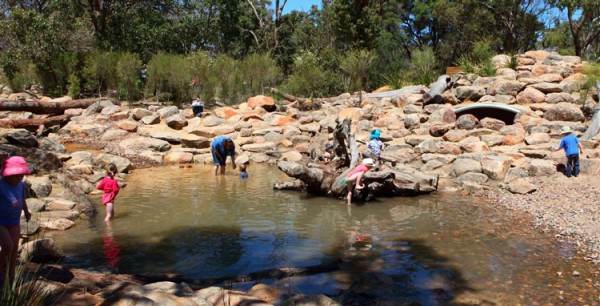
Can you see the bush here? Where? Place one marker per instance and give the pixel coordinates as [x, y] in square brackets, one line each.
[74, 87]
[356, 64]
[169, 74]
[100, 72]
[128, 72]
[466, 64]
[311, 79]
[423, 66]
[259, 71]
[24, 289]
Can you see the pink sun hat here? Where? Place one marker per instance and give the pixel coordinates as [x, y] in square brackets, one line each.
[15, 165]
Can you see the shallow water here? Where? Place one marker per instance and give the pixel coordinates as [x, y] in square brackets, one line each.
[438, 248]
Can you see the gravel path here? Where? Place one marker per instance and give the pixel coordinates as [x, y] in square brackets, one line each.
[569, 207]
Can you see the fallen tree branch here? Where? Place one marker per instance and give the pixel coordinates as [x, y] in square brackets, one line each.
[48, 107]
[34, 125]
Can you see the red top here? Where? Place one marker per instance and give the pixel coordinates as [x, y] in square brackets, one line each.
[111, 189]
[357, 169]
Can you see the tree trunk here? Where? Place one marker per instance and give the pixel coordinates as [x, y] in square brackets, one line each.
[594, 126]
[434, 95]
[47, 107]
[34, 125]
[328, 179]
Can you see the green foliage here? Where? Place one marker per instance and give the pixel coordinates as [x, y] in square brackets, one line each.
[423, 66]
[486, 68]
[23, 290]
[356, 64]
[128, 73]
[259, 71]
[592, 75]
[74, 88]
[100, 72]
[310, 79]
[466, 64]
[169, 74]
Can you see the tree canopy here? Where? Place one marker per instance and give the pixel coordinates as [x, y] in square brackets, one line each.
[222, 49]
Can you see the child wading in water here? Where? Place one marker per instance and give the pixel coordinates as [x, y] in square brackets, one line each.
[356, 175]
[110, 186]
[243, 172]
[12, 202]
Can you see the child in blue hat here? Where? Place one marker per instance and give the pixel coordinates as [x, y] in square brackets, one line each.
[375, 145]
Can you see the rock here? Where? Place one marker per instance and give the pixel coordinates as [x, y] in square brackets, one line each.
[176, 122]
[67, 214]
[86, 130]
[123, 164]
[521, 186]
[265, 293]
[212, 132]
[259, 147]
[438, 130]
[195, 141]
[471, 177]
[40, 186]
[443, 116]
[492, 124]
[412, 121]
[151, 119]
[138, 144]
[168, 111]
[467, 122]
[35, 205]
[312, 300]
[267, 103]
[118, 116]
[537, 138]
[114, 134]
[52, 145]
[171, 137]
[550, 87]
[464, 165]
[80, 158]
[474, 147]
[515, 173]
[542, 167]
[41, 251]
[59, 204]
[19, 137]
[59, 224]
[178, 158]
[530, 95]
[505, 87]
[564, 112]
[495, 167]
[472, 93]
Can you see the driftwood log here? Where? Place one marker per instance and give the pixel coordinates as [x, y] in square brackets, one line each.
[437, 88]
[594, 126]
[48, 107]
[297, 102]
[326, 179]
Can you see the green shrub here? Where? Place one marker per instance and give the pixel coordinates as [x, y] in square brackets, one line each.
[201, 68]
[486, 68]
[398, 80]
[356, 64]
[259, 71]
[227, 79]
[309, 78]
[128, 72]
[100, 72]
[74, 87]
[169, 74]
[24, 289]
[466, 64]
[423, 66]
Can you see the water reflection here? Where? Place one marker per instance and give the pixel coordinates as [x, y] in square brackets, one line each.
[432, 249]
[111, 248]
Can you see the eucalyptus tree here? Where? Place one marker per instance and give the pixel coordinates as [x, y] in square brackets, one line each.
[583, 17]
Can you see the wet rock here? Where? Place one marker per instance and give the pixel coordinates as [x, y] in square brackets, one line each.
[41, 251]
[59, 224]
[521, 186]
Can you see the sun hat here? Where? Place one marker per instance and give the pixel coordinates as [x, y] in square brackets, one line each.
[375, 134]
[328, 145]
[566, 130]
[15, 165]
[368, 162]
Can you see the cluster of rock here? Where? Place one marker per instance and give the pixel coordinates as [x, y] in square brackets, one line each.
[466, 152]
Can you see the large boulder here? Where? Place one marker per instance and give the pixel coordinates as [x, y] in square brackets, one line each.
[564, 112]
[123, 164]
[265, 102]
[40, 186]
[41, 251]
[138, 144]
[19, 137]
[530, 95]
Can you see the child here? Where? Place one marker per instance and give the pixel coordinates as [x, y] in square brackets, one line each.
[197, 107]
[12, 202]
[328, 155]
[110, 186]
[571, 144]
[375, 145]
[356, 175]
[243, 173]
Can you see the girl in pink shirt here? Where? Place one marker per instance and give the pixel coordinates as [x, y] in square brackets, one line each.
[356, 176]
[110, 186]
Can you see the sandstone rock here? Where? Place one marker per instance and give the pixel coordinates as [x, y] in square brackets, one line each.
[431, 165]
[521, 186]
[464, 165]
[455, 135]
[59, 224]
[492, 140]
[195, 141]
[505, 87]
[59, 204]
[564, 112]
[139, 113]
[293, 156]
[412, 121]
[80, 158]
[530, 95]
[225, 112]
[176, 122]
[443, 158]
[138, 144]
[537, 138]
[515, 173]
[495, 167]
[35, 205]
[541, 167]
[151, 119]
[19, 137]
[474, 147]
[443, 116]
[123, 164]
[492, 124]
[353, 113]
[554, 98]
[212, 132]
[178, 158]
[472, 93]
[41, 251]
[259, 147]
[478, 178]
[438, 130]
[501, 61]
[467, 122]
[550, 87]
[40, 186]
[52, 145]
[168, 111]
[264, 102]
[129, 126]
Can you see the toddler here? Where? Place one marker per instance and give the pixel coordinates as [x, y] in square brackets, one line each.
[375, 145]
[110, 186]
[243, 172]
[356, 175]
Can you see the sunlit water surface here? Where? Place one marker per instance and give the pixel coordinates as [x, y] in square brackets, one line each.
[185, 221]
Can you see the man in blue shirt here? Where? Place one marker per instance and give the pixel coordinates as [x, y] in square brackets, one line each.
[572, 147]
[220, 148]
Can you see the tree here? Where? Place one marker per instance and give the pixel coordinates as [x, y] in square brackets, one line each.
[585, 29]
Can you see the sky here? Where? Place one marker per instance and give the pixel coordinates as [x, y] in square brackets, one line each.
[300, 5]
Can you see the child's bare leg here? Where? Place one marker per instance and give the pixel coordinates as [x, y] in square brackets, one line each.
[109, 212]
[222, 170]
[215, 168]
[15, 232]
[6, 248]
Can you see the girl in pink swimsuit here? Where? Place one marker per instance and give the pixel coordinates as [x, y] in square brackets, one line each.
[110, 186]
